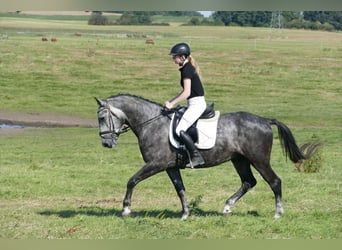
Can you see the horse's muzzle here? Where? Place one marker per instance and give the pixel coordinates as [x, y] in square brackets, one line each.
[109, 140]
[109, 143]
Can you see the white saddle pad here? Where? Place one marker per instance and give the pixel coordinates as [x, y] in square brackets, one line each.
[207, 129]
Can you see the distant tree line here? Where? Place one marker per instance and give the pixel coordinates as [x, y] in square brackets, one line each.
[97, 18]
[136, 17]
[333, 18]
[323, 20]
[161, 13]
[315, 20]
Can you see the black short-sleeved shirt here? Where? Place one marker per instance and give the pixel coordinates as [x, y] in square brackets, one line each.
[188, 71]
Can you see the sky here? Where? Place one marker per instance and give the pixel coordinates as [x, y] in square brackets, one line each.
[206, 13]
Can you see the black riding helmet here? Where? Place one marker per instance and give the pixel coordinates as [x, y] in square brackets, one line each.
[180, 49]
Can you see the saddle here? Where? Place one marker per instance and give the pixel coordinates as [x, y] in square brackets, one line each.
[202, 132]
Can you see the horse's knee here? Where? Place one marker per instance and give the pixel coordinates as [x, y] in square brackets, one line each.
[250, 183]
[276, 184]
[131, 183]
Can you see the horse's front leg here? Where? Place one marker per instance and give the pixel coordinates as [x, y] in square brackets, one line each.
[177, 181]
[126, 211]
[148, 170]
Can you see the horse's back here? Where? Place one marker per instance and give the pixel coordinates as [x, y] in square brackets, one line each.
[247, 120]
[244, 132]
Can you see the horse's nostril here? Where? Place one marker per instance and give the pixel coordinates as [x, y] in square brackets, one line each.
[106, 144]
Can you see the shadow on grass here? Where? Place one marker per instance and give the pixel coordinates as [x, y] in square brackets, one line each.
[101, 212]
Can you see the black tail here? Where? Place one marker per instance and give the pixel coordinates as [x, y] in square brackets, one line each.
[288, 143]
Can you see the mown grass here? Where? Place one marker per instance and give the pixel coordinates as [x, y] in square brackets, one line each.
[61, 183]
[104, 61]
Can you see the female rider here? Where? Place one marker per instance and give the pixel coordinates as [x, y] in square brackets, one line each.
[193, 92]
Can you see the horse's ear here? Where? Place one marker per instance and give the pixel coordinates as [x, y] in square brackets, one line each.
[100, 102]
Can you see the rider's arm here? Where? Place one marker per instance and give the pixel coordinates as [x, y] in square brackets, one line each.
[182, 96]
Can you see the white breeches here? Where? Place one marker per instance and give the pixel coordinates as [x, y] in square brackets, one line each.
[196, 107]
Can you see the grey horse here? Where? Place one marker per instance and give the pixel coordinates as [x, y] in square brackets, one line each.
[243, 138]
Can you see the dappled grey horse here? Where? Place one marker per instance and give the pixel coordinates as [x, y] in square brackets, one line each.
[243, 138]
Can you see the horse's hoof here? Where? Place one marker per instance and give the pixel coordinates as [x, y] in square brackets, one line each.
[184, 217]
[277, 216]
[126, 212]
[125, 215]
[279, 212]
[227, 214]
[227, 211]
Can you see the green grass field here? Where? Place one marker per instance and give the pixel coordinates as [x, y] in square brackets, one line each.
[61, 183]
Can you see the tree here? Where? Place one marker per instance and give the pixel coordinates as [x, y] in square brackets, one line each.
[243, 18]
[96, 18]
[332, 17]
[195, 21]
[224, 17]
[316, 20]
[135, 18]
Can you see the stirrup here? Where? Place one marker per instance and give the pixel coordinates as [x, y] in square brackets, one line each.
[189, 165]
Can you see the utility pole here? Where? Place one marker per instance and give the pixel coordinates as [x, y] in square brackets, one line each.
[276, 23]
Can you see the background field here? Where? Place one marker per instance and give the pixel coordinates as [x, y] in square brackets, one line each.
[61, 183]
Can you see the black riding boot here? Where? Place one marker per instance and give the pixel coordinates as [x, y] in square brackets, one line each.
[196, 157]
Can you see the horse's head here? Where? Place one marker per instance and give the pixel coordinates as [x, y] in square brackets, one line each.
[112, 122]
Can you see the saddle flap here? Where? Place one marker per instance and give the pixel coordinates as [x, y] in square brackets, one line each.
[205, 131]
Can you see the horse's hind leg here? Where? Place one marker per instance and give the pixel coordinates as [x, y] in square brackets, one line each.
[274, 182]
[243, 168]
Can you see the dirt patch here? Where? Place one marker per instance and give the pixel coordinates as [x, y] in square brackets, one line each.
[34, 119]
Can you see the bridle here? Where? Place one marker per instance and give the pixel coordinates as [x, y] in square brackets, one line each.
[112, 131]
[124, 128]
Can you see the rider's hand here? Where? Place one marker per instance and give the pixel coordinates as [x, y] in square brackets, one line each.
[168, 105]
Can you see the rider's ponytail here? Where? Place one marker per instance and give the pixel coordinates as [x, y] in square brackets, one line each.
[194, 63]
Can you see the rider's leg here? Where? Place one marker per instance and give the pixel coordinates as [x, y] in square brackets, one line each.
[196, 107]
[196, 157]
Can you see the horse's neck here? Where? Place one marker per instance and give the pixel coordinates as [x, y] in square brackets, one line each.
[138, 110]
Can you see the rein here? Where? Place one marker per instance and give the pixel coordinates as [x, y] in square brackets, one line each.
[150, 120]
[125, 127]
[164, 112]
